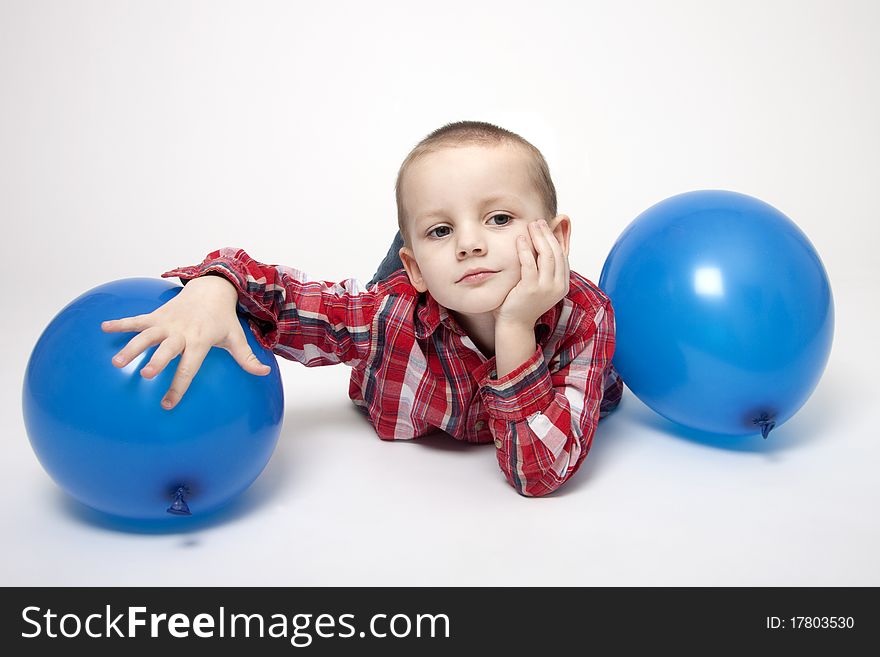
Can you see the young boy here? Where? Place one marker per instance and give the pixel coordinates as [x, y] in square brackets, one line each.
[484, 333]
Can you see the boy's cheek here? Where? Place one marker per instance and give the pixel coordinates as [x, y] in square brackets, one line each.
[516, 279]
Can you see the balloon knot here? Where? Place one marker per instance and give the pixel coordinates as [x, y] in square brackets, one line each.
[179, 507]
[766, 423]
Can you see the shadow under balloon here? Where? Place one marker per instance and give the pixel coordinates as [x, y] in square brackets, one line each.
[287, 460]
[815, 421]
[244, 504]
[265, 488]
[778, 439]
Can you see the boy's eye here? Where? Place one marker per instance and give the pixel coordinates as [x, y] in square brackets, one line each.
[433, 231]
[504, 219]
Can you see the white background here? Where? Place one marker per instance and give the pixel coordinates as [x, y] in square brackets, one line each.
[139, 136]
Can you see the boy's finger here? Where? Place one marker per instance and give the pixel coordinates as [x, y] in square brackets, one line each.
[137, 345]
[168, 349]
[244, 356]
[539, 237]
[526, 257]
[126, 324]
[552, 242]
[546, 256]
[190, 362]
[559, 258]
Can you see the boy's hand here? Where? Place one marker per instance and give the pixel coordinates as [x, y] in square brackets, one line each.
[544, 279]
[201, 316]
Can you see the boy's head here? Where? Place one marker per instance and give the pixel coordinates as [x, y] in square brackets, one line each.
[464, 194]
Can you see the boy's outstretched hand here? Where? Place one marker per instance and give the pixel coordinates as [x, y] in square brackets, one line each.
[201, 316]
[544, 281]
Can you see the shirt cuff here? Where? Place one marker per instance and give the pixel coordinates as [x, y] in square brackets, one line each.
[260, 319]
[226, 267]
[520, 394]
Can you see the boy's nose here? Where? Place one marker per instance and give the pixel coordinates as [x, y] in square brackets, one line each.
[464, 252]
[470, 243]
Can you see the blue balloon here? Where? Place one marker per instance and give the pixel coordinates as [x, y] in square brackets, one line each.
[724, 312]
[102, 435]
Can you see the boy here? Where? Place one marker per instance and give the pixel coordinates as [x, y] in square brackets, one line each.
[484, 333]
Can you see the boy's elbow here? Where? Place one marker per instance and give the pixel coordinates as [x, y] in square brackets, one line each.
[536, 479]
[608, 406]
[539, 487]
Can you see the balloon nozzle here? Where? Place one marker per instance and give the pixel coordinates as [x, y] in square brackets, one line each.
[179, 507]
[766, 422]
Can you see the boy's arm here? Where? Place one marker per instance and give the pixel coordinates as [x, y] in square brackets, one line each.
[313, 322]
[543, 418]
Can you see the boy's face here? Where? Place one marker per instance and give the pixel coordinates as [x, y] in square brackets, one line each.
[466, 206]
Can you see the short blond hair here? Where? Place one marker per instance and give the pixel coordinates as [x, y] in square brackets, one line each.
[468, 133]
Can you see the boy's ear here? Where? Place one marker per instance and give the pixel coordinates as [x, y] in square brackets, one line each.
[412, 269]
[560, 226]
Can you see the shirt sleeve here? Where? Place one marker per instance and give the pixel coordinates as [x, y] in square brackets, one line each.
[544, 418]
[313, 322]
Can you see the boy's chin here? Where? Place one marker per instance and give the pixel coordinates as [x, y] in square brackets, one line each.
[474, 307]
[475, 301]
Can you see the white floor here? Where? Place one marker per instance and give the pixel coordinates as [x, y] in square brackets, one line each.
[652, 505]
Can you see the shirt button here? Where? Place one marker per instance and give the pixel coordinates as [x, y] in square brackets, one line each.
[498, 443]
[480, 425]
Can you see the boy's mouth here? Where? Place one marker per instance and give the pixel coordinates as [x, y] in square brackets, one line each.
[476, 275]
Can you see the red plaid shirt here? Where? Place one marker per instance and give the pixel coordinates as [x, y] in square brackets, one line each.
[415, 370]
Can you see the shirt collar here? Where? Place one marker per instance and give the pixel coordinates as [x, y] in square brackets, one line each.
[430, 314]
